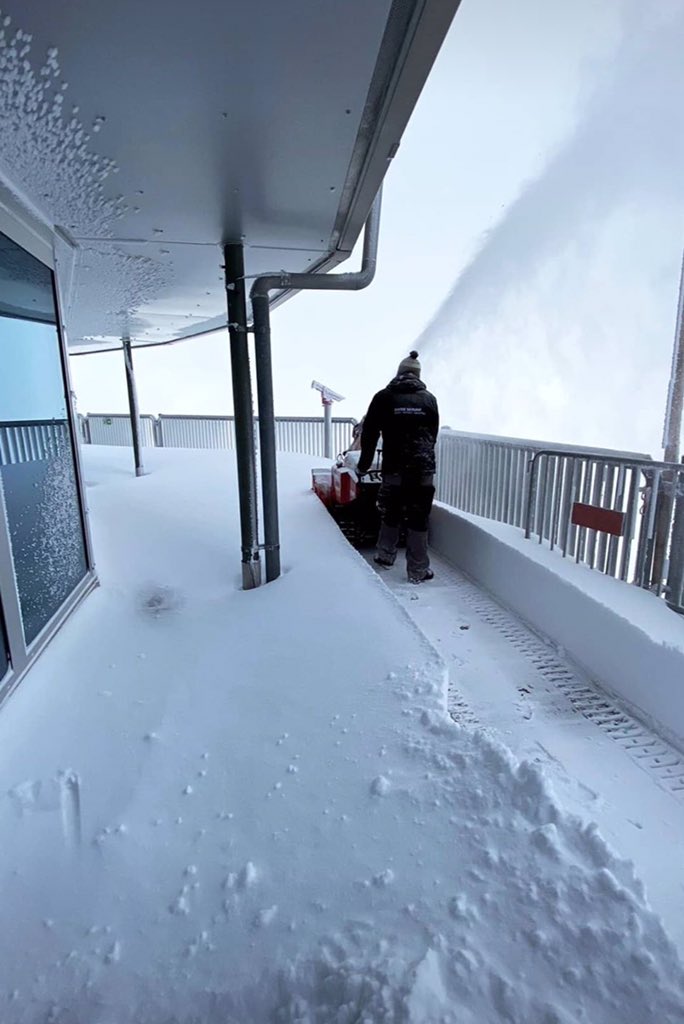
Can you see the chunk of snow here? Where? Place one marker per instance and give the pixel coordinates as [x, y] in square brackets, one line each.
[380, 786]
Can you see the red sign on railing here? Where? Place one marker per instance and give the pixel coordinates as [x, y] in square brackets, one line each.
[607, 520]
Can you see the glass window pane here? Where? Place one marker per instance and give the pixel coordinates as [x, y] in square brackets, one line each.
[37, 469]
[4, 655]
[25, 284]
[31, 387]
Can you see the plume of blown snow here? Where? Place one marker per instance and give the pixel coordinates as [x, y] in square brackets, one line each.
[561, 325]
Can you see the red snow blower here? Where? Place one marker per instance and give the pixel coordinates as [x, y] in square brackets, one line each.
[351, 500]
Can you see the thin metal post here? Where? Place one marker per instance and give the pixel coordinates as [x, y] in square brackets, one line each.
[557, 497]
[542, 513]
[582, 532]
[529, 509]
[244, 414]
[675, 395]
[521, 460]
[621, 505]
[596, 491]
[671, 444]
[568, 528]
[607, 502]
[647, 534]
[327, 429]
[631, 523]
[133, 406]
[675, 577]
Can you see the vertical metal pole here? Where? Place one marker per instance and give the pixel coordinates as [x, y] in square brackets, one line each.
[672, 430]
[631, 520]
[133, 406]
[647, 537]
[267, 444]
[675, 578]
[244, 414]
[675, 394]
[327, 429]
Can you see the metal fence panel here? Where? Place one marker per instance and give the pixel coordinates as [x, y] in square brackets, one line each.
[115, 429]
[647, 495]
[487, 475]
[302, 434]
[30, 442]
[197, 432]
[536, 485]
[527, 484]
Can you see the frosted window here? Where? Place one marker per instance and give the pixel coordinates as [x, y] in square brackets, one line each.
[36, 454]
[4, 657]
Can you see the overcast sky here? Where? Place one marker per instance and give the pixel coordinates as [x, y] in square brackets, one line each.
[531, 238]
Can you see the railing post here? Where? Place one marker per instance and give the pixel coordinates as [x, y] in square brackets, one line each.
[644, 557]
[663, 521]
[530, 504]
[675, 576]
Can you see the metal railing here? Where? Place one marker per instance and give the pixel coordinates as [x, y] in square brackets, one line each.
[569, 499]
[621, 516]
[31, 441]
[196, 432]
[620, 513]
[302, 434]
[115, 429]
[486, 475]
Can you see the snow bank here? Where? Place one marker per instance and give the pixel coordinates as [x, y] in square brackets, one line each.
[625, 638]
[247, 807]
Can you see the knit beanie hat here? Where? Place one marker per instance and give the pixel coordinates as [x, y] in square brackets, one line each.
[409, 365]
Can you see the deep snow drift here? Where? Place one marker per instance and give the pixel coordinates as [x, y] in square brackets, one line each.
[229, 807]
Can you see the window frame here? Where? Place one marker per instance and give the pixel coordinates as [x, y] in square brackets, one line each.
[41, 243]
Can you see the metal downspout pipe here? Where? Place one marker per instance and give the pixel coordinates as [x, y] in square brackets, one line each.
[244, 414]
[133, 406]
[259, 296]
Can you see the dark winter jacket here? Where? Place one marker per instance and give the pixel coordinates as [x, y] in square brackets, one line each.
[406, 415]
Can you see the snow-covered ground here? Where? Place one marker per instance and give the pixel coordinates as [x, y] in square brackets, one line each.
[623, 636]
[604, 764]
[243, 807]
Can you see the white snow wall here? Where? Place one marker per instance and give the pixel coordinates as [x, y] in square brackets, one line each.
[626, 640]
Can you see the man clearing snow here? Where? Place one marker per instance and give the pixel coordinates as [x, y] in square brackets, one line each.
[406, 415]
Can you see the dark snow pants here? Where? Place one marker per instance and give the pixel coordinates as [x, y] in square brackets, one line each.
[408, 495]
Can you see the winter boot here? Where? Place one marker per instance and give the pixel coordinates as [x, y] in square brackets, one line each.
[427, 575]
